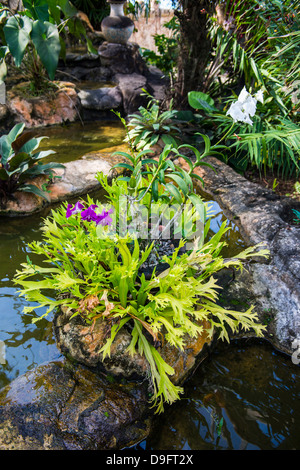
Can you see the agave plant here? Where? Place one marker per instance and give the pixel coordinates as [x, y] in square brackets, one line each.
[20, 162]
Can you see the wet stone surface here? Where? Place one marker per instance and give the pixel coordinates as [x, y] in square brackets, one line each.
[272, 284]
[60, 406]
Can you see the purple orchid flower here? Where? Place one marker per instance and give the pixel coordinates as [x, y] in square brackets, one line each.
[104, 218]
[74, 210]
[89, 214]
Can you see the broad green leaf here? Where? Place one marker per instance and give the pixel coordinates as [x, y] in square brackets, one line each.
[41, 169]
[17, 34]
[199, 206]
[124, 165]
[199, 100]
[31, 188]
[17, 160]
[45, 37]
[32, 144]
[180, 182]
[37, 8]
[6, 141]
[3, 175]
[155, 190]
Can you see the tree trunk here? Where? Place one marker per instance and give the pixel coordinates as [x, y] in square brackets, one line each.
[194, 47]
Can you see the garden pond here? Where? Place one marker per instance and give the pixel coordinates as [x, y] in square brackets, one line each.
[244, 396]
[72, 141]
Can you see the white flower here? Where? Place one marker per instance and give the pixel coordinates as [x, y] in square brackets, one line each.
[245, 106]
[259, 96]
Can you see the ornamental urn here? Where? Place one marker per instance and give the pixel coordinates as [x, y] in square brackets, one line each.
[117, 28]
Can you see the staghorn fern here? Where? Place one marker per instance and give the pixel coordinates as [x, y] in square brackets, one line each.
[83, 262]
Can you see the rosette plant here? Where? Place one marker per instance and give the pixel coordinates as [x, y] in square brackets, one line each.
[150, 125]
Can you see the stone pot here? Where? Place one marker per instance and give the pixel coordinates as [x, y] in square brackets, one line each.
[117, 28]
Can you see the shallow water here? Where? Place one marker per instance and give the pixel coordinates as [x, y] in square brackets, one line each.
[72, 141]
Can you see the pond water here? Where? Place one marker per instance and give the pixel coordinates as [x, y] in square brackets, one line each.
[244, 396]
[72, 141]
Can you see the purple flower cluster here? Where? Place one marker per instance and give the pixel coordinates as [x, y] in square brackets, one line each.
[89, 213]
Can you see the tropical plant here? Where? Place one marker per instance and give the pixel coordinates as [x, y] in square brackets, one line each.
[256, 42]
[264, 140]
[20, 162]
[34, 37]
[39, 38]
[95, 10]
[151, 124]
[97, 274]
[161, 181]
[167, 50]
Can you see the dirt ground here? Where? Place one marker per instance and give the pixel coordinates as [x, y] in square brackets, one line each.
[289, 187]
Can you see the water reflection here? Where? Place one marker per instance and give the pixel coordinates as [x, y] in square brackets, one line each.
[232, 238]
[72, 141]
[245, 397]
[242, 398]
[26, 344]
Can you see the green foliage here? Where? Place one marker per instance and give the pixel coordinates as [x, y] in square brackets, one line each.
[150, 125]
[20, 162]
[297, 214]
[259, 41]
[165, 59]
[257, 44]
[85, 265]
[95, 10]
[272, 142]
[161, 180]
[42, 35]
[36, 35]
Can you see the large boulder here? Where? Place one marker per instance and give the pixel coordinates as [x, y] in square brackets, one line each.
[76, 179]
[122, 58]
[101, 99]
[272, 285]
[57, 108]
[60, 406]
